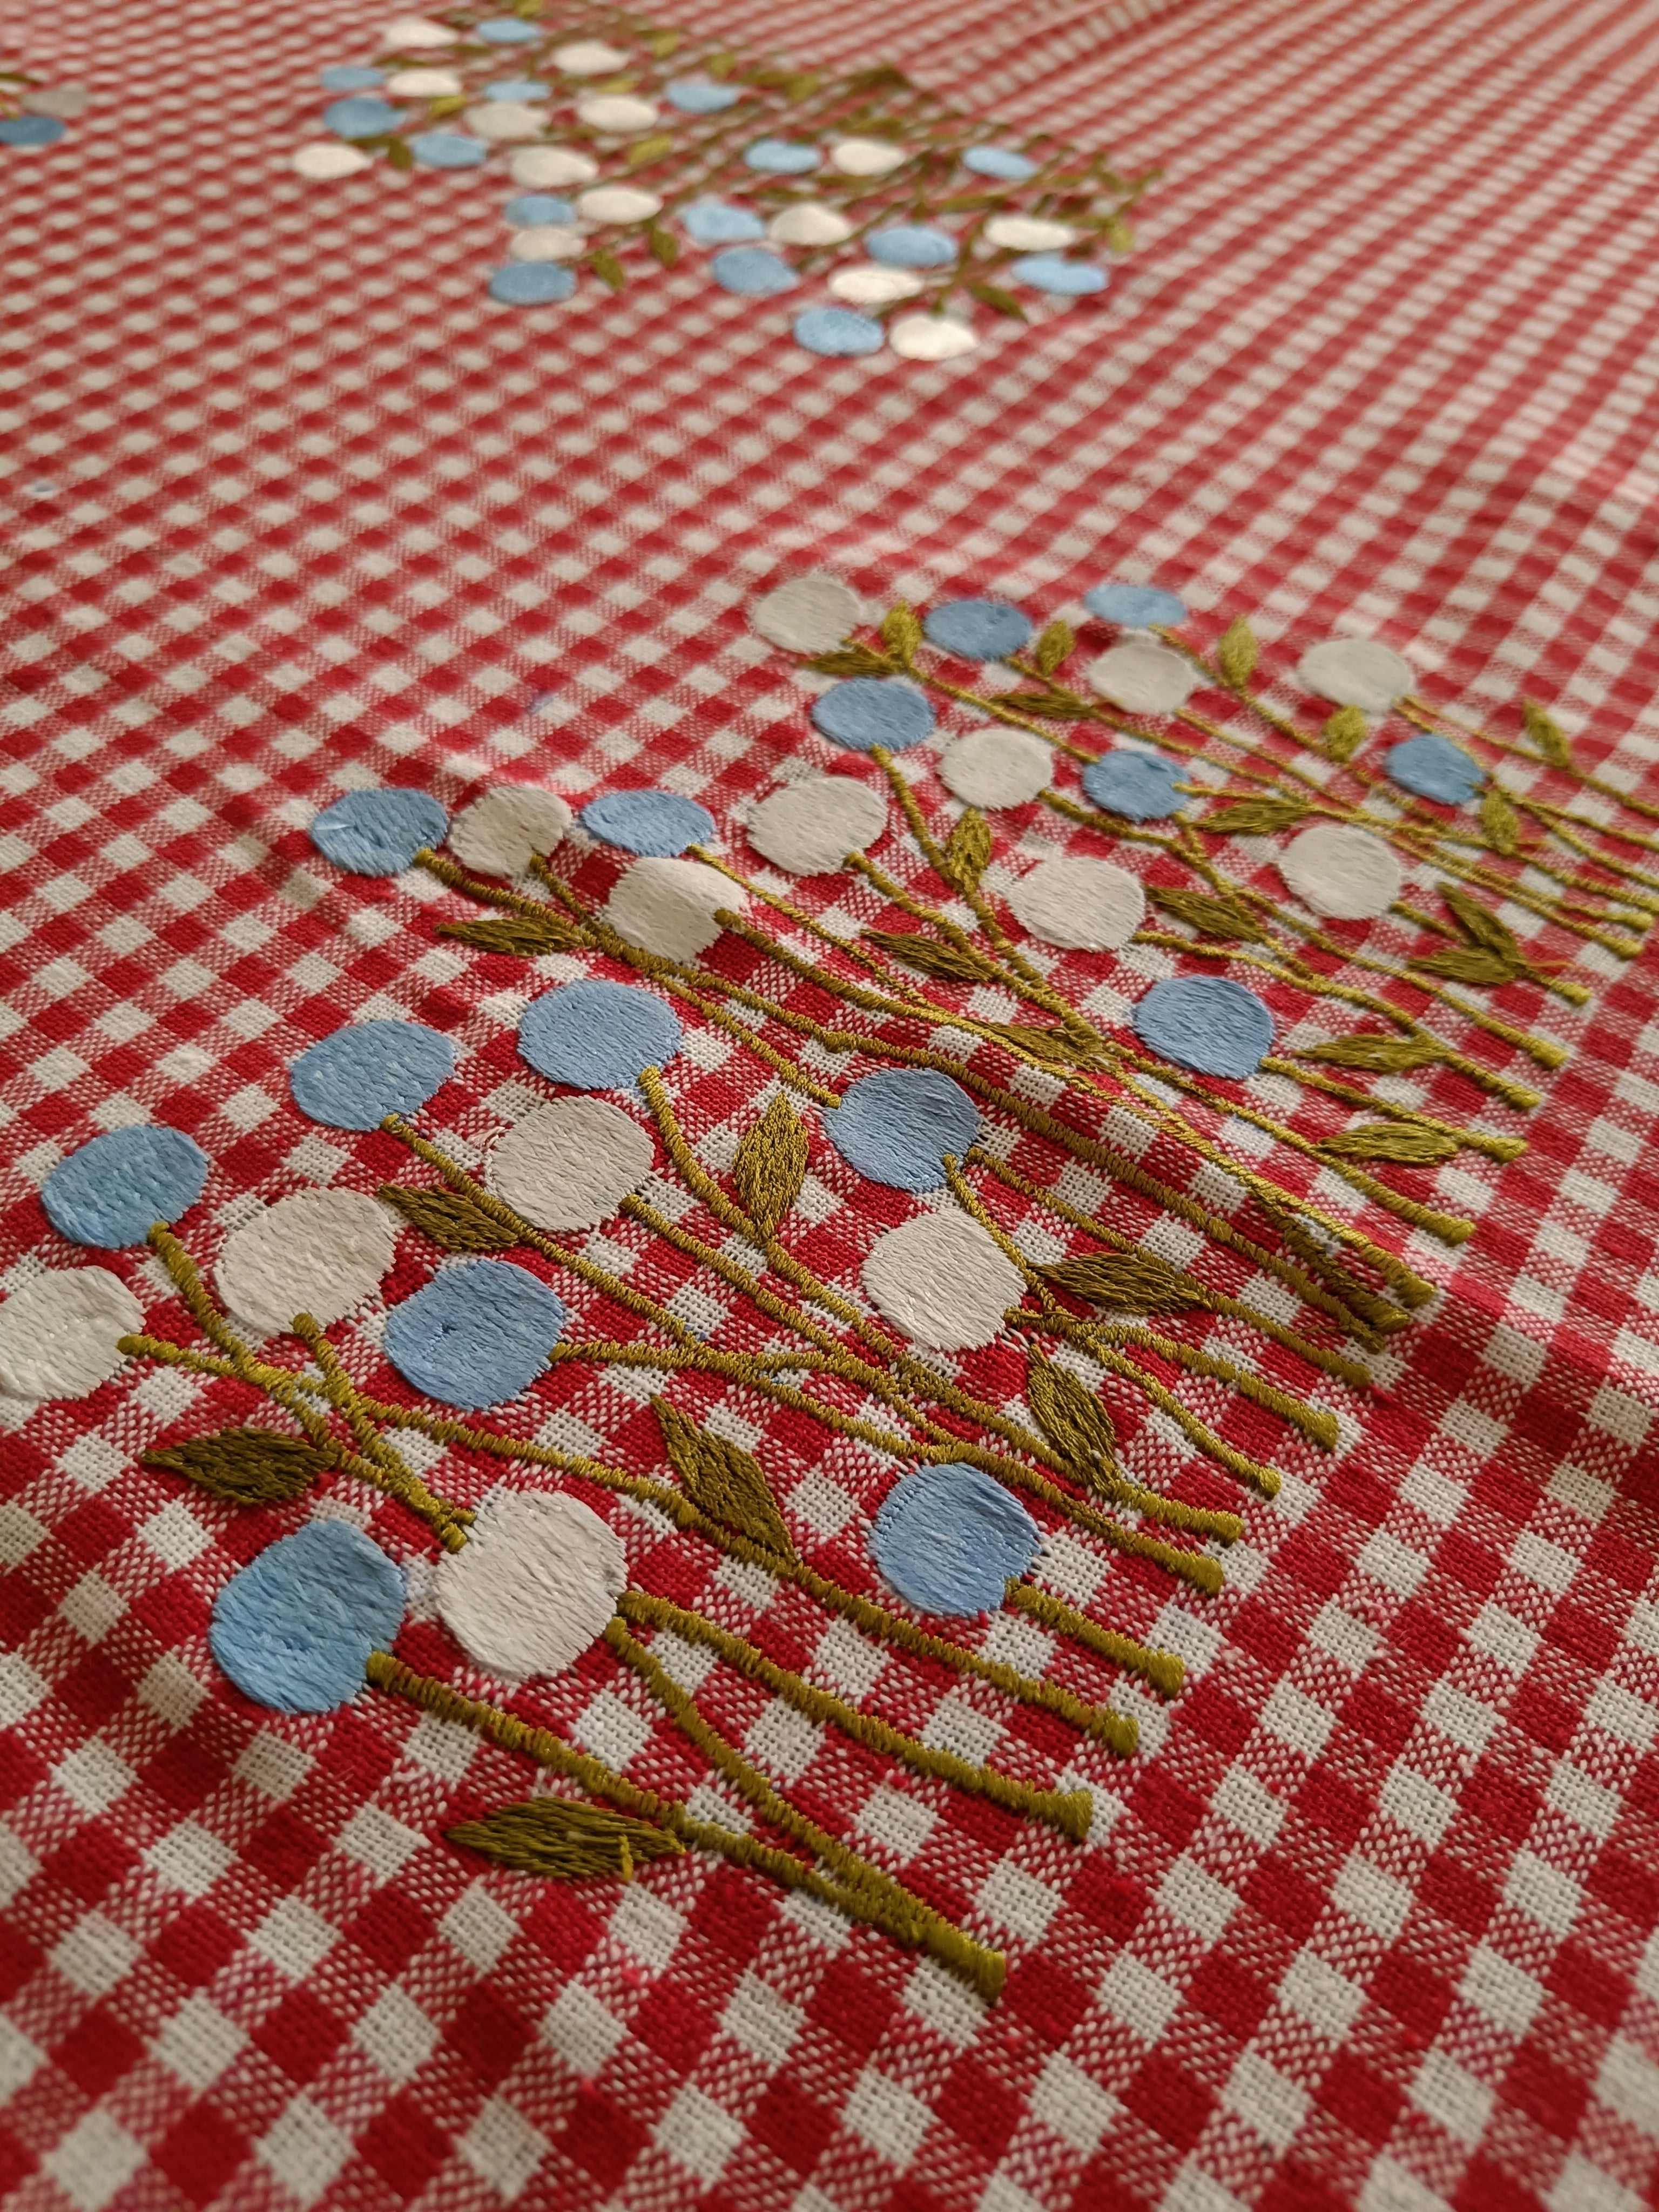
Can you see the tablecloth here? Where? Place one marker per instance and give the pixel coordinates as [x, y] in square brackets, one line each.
[292, 509]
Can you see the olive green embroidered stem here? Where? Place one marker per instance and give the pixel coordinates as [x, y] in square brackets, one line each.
[449, 1523]
[864, 1613]
[898, 1910]
[1071, 1811]
[1473, 1140]
[446, 1520]
[1033, 1118]
[1166, 1670]
[551, 1752]
[967, 890]
[598, 1279]
[1216, 1302]
[1266, 1479]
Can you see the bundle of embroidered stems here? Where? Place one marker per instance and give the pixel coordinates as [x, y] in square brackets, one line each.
[1052, 1150]
[632, 148]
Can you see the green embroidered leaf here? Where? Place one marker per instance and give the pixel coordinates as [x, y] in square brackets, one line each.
[1345, 733]
[900, 632]
[649, 150]
[1074, 1421]
[722, 1480]
[1228, 919]
[244, 1466]
[609, 270]
[1375, 1052]
[1547, 734]
[971, 203]
[570, 1843]
[1254, 817]
[1500, 822]
[1054, 647]
[398, 155]
[771, 1164]
[449, 1218]
[660, 44]
[999, 301]
[523, 934]
[664, 245]
[1054, 1045]
[1467, 963]
[1481, 925]
[1390, 1141]
[852, 660]
[949, 962]
[969, 852]
[451, 103]
[1118, 234]
[1126, 1282]
[1236, 655]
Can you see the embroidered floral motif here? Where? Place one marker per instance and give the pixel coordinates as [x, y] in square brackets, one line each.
[32, 114]
[633, 149]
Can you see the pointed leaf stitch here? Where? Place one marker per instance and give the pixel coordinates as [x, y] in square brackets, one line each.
[1500, 822]
[900, 632]
[244, 1466]
[1467, 963]
[1481, 925]
[1547, 734]
[1225, 917]
[771, 1164]
[723, 1480]
[1236, 655]
[570, 1843]
[449, 1218]
[951, 963]
[852, 660]
[1126, 1282]
[1074, 1421]
[1054, 647]
[1254, 817]
[1345, 733]
[524, 935]
[969, 852]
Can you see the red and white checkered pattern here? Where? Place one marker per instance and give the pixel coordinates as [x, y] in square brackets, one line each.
[287, 507]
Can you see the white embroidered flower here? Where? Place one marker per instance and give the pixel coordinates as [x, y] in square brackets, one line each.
[326, 161]
[668, 906]
[1357, 671]
[618, 112]
[320, 1252]
[618, 204]
[865, 157]
[588, 57]
[810, 223]
[59, 1336]
[423, 84]
[536, 1581]
[411, 32]
[1028, 233]
[542, 166]
[930, 337]
[502, 122]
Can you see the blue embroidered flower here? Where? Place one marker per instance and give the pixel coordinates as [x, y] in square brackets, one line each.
[30, 130]
[354, 1079]
[978, 630]
[531, 209]
[1052, 272]
[1434, 768]
[509, 31]
[912, 246]
[659, 823]
[752, 273]
[110, 1191]
[783, 157]
[896, 1126]
[950, 1539]
[448, 150]
[867, 711]
[1140, 787]
[693, 96]
[999, 162]
[719, 222]
[361, 119]
[1137, 606]
[293, 1630]
[476, 1334]
[596, 1035]
[378, 833]
[517, 88]
[348, 78]
[1206, 1023]
[838, 331]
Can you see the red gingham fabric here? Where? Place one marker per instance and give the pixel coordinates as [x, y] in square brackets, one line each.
[288, 507]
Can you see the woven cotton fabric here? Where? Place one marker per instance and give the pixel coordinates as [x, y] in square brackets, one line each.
[290, 508]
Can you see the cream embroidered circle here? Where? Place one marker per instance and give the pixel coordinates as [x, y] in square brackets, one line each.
[808, 224]
[536, 1581]
[943, 1281]
[1086, 906]
[1028, 233]
[621, 114]
[59, 1337]
[502, 121]
[808, 828]
[809, 614]
[997, 768]
[326, 161]
[868, 284]
[668, 906]
[865, 157]
[551, 165]
[1343, 873]
[320, 1252]
[569, 1164]
[1357, 671]
[1144, 678]
[617, 204]
[499, 831]
[930, 337]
